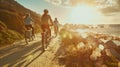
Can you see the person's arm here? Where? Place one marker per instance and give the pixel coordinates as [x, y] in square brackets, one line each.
[31, 19]
[50, 20]
[57, 22]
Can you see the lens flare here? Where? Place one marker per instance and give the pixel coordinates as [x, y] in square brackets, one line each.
[101, 47]
[85, 14]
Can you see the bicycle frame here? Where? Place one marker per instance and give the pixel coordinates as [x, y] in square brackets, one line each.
[28, 35]
[45, 38]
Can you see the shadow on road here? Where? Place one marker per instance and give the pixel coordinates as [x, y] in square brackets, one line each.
[23, 55]
[8, 49]
[34, 59]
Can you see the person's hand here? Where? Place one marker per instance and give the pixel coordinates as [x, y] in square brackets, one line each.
[51, 24]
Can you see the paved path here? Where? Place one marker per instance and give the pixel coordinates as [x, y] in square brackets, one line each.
[29, 55]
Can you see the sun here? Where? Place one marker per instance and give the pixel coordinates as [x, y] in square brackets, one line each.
[84, 14]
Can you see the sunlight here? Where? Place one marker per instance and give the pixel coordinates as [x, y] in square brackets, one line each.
[84, 14]
[81, 45]
[30, 57]
[82, 32]
[101, 47]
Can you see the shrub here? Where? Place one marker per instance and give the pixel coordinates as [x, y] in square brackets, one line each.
[8, 36]
[79, 52]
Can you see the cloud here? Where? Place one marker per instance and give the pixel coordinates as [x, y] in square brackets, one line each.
[106, 6]
[69, 2]
[55, 2]
[77, 2]
[110, 6]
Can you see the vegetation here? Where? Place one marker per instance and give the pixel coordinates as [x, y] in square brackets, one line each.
[77, 51]
[11, 21]
[11, 13]
[8, 36]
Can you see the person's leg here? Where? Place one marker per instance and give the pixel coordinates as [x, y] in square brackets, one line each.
[27, 27]
[33, 32]
[55, 31]
[43, 36]
[49, 30]
[26, 33]
[26, 37]
[46, 33]
[43, 40]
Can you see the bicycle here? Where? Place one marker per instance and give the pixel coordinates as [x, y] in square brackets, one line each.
[28, 35]
[46, 36]
[56, 30]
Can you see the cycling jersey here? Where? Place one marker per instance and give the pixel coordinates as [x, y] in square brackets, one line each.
[28, 21]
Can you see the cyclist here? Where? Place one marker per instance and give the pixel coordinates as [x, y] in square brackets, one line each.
[46, 21]
[29, 22]
[56, 26]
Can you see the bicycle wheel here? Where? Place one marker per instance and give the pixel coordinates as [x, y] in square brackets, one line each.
[56, 30]
[48, 38]
[43, 41]
[28, 36]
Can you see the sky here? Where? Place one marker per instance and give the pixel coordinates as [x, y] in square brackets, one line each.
[78, 11]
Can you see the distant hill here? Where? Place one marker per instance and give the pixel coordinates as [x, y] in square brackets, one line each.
[11, 14]
[8, 36]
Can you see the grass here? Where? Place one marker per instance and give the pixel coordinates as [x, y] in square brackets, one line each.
[8, 36]
[12, 26]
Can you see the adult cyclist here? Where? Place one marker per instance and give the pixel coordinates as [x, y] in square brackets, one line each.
[29, 23]
[56, 23]
[46, 22]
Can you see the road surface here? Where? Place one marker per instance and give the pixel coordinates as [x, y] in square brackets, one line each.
[30, 55]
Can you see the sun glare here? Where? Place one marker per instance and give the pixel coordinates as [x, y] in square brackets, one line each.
[84, 14]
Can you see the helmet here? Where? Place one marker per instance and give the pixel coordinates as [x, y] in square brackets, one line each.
[46, 11]
[55, 17]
